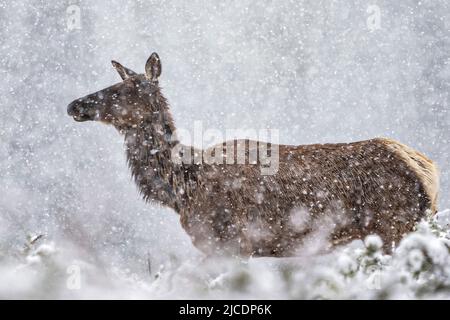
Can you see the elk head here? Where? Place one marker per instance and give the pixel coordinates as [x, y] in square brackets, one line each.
[125, 104]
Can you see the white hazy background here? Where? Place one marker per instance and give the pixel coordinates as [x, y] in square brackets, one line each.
[318, 71]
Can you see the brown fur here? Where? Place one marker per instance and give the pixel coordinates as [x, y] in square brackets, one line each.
[333, 192]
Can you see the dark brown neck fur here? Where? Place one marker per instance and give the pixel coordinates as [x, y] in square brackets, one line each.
[148, 149]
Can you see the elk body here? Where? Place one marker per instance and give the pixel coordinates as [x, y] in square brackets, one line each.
[333, 192]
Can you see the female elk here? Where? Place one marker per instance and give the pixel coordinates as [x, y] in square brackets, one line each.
[337, 192]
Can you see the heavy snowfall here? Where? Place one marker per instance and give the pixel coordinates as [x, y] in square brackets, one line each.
[72, 222]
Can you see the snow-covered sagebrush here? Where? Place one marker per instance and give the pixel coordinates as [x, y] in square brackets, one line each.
[419, 268]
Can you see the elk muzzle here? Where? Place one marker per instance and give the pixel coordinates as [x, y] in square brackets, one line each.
[82, 110]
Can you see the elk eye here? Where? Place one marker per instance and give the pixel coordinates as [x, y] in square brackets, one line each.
[126, 91]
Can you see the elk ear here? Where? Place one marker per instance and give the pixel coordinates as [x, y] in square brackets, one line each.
[153, 67]
[124, 73]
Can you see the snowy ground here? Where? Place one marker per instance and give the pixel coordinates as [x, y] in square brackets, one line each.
[418, 269]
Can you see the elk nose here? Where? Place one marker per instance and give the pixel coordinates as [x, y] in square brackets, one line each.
[72, 108]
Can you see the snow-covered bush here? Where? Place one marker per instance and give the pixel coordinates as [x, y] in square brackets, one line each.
[419, 268]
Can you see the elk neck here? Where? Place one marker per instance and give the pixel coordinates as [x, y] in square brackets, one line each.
[149, 154]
